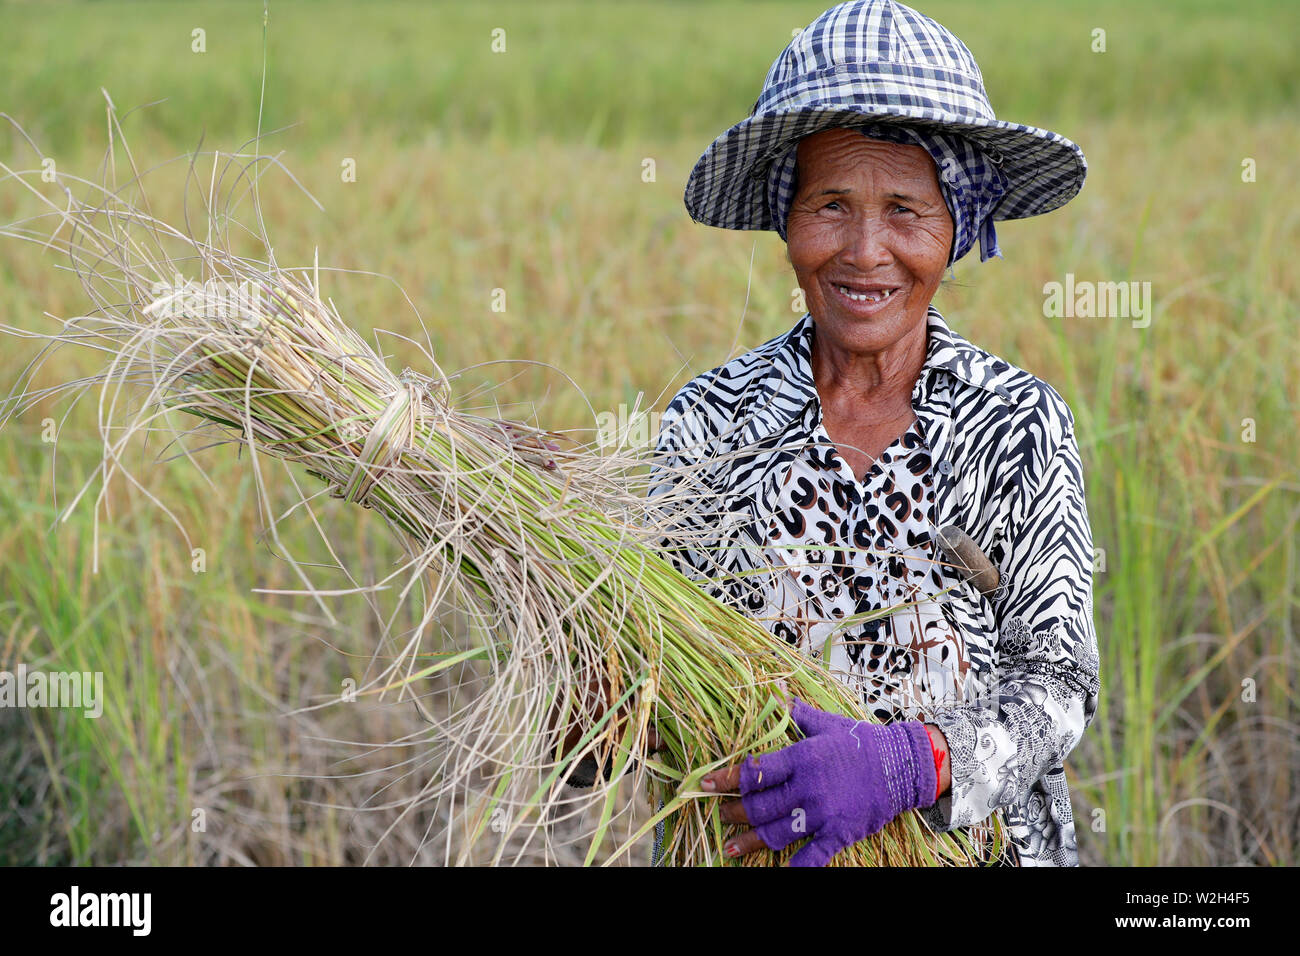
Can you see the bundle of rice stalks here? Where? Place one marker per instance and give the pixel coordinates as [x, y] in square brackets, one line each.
[548, 545]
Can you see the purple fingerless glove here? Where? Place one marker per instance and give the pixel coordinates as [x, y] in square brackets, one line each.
[843, 782]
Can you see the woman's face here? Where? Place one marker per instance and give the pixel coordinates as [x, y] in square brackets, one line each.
[868, 218]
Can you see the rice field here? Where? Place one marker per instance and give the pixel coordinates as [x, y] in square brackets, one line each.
[528, 201]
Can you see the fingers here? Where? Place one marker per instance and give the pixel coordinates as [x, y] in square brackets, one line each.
[818, 852]
[774, 803]
[780, 834]
[765, 806]
[733, 811]
[726, 780]
[743, 844]
[777, 806]
[775, 834]
[752, 773]
[772, 769]
[767, 770]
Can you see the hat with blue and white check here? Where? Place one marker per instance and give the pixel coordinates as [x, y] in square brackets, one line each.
[880, 61]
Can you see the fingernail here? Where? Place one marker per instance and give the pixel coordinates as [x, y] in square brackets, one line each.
[707, 784]
[732, 850]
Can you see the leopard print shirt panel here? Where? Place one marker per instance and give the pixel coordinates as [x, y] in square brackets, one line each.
[853, 549]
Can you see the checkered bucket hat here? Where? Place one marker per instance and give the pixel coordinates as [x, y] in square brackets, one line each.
[876, 62]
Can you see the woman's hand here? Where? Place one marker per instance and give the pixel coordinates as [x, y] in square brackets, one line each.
[595, 701]
[842, 783]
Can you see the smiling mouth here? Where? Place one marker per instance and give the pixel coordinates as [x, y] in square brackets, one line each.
[878, 295]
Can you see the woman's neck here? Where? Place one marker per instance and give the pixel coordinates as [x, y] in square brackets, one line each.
[870, 388]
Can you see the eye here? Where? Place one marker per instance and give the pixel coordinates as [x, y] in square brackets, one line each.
[898, 208]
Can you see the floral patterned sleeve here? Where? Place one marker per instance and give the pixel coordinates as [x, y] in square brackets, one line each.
[1045, 692]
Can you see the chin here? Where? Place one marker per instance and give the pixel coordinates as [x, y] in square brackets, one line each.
[870, 333]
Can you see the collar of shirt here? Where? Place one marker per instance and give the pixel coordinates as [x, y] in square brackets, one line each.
[947, 352]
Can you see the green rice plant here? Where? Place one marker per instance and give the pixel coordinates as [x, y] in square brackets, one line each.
[548, 547]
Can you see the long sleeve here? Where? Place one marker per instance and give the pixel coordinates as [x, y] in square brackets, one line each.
[673, 466]
[1045, 692]
[697, 480]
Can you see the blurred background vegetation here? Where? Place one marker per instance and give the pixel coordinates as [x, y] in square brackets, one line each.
[523, 170]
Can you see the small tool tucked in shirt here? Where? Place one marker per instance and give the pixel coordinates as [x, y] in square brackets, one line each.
[971, 563]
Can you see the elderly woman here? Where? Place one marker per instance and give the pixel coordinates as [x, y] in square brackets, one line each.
[823, 464]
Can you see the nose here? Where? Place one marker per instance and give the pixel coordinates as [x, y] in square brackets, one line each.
[866, 244]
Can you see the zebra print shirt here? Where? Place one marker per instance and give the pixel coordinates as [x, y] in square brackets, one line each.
[1006, 469]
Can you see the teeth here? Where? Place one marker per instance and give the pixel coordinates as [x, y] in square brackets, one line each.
[865, 296]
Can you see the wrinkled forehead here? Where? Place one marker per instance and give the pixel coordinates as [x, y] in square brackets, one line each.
[843, 155]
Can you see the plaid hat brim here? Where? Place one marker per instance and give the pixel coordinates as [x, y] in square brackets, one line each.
[727, 186]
